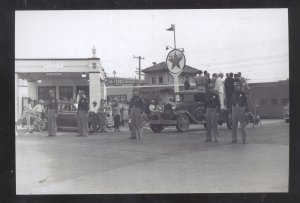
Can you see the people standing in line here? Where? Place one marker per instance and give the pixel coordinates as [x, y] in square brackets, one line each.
[212, 105]
[229, 88]
[239, 108]
[219, 87]
[52, 114]
[102, 113]
[187, 84]
[82, 114]
[200, 82]
[93, 117]
[116, 115]
[136, 106]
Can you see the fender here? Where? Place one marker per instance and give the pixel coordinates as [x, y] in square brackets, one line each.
[180, 112]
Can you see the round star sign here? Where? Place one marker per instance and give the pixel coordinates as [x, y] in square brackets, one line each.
[175, 61]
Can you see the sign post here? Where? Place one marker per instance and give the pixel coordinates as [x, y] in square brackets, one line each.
[175, 62]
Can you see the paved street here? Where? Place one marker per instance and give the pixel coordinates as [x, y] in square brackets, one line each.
[168, 162]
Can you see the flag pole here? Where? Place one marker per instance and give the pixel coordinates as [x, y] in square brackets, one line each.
[174, 37]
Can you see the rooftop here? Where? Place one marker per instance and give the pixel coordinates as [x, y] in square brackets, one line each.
[163, 66]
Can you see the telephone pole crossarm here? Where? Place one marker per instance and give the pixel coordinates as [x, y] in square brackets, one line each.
[139, 69]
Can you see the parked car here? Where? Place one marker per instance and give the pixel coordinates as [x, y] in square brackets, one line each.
[67, 116]
[189, 110]
[286, 112]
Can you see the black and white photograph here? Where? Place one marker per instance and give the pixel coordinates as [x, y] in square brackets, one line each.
[156, 101]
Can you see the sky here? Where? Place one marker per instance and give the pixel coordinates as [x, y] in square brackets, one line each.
[251, 41]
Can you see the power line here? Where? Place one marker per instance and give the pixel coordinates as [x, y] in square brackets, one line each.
[249, 59]
[139, 69]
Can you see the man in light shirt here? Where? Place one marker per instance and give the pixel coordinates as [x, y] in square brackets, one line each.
[93, 117]
[219, 87]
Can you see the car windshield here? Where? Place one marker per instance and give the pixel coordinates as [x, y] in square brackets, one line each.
[187, 98]
[67, 107]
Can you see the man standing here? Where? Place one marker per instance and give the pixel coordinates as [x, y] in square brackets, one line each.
[244, 84]
[200, 81]
[212, 105]
[82, 114]
[219, 87]
[187, 84]
[135, 111]
[52, 114]
[94, 119]
[239, 108]
[207, 82]
[229, 88]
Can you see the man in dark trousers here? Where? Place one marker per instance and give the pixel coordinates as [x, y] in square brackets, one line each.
[82, 114]
[229, 88]
[187, 84]
[52, 114]
[239, 108]
[135, 114]
[212, 105]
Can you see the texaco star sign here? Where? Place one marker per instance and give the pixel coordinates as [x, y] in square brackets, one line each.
[175, 61]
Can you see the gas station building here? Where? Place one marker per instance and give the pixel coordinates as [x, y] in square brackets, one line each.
[66, 76]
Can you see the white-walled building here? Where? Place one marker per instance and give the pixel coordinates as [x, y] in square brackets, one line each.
[35, 77]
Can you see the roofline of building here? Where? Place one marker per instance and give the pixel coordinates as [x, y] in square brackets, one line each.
[269, 83]
[57, 59]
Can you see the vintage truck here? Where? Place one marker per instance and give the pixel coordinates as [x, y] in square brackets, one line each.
[189, 110]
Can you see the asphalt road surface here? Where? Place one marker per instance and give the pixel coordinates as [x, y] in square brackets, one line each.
[166, 162]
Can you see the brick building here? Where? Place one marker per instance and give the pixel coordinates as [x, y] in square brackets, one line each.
[270, 98]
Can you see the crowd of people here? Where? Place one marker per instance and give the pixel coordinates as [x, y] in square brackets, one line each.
[224, 88]
[232, 92]
[229, 94]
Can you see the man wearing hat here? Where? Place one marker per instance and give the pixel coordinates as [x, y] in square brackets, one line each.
[135, 111]
[52, 114]
[239, 108]
[82, 114]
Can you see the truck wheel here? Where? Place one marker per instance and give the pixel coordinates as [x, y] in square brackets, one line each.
[156, 128]
[183, 123]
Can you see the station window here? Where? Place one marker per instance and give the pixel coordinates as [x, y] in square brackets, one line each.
[274, 102]
[94, 65]
[153, 80]
[86, 89]
[263, 102]
[43, 92]
[66, 92]
[161, 79]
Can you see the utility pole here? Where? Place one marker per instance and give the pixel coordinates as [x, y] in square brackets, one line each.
[114, 73]
[139, 69]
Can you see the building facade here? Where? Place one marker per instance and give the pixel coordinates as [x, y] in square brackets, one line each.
[161, 82]
[121, 88]
[35, 77]
[269, 97]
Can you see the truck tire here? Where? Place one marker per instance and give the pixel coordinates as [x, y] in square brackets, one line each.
[156, 128]
[183, 123]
